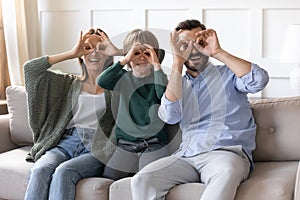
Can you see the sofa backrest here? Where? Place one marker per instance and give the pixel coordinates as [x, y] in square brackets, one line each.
[17, 109]
[278, 129]
[278, 125]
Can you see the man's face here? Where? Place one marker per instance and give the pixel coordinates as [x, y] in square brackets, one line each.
[196, 61]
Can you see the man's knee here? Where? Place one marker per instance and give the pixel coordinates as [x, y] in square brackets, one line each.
[235, 167]
[140, 179]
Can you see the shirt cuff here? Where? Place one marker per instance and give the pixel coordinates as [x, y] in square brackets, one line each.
[166, 101]
[249, 78]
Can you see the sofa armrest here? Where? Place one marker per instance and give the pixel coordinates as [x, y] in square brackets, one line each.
[297, 184]
[5, 142]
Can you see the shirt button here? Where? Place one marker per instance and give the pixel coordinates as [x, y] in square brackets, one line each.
[271, 130]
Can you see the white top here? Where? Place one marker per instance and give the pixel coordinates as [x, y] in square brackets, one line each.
[86, 109]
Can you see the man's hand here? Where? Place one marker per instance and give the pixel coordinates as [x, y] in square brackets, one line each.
[180, 49]
[207, 42]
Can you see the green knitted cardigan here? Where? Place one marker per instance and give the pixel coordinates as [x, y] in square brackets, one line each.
[50, 96]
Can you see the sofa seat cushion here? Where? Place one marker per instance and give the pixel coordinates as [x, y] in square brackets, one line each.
[269, 180]
[191, 191]
[93, 188]
[120, 189]
[14, 171]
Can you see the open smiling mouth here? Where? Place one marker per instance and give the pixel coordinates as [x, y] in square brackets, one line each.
[195, 57]
[94, 60]
[142, 64]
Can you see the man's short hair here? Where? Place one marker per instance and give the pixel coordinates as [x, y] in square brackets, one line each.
[190, 24]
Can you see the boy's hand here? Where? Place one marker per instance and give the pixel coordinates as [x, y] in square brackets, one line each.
[133, 54]
[152, 57]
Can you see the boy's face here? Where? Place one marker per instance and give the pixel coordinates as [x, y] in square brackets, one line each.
[140, 63]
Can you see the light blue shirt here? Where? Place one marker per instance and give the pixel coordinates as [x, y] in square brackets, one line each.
[214, 111]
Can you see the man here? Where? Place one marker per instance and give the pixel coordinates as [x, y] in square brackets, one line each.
[210, 104]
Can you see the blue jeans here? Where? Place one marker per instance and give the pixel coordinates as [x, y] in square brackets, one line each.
[54, 176]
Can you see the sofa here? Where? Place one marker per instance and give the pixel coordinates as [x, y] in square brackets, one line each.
[276, 175]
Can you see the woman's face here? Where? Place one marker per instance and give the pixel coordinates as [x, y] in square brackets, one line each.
[94, 60]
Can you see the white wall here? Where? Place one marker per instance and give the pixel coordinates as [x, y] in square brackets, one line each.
[253, 30]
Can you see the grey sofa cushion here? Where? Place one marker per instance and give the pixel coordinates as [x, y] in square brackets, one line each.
[93, 188]
[17, 108]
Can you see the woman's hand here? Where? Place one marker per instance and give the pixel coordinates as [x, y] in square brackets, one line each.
[106, 47]
[82, 47]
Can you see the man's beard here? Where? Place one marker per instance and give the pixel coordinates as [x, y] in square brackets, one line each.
[199, 66]
[190, 68]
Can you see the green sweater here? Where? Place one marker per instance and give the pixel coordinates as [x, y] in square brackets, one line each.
[50, 97]
[138, 102]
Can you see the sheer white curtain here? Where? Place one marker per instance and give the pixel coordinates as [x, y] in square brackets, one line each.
[22, 35]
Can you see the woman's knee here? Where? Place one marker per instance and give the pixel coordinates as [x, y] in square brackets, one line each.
[39, 171]
[65, 174]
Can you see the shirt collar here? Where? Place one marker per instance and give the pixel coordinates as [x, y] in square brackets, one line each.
[201, 75]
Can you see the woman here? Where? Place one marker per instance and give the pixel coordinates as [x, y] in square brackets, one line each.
[140, 134]
[65, 113]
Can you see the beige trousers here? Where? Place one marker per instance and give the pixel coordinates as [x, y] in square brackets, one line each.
[220, 170]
